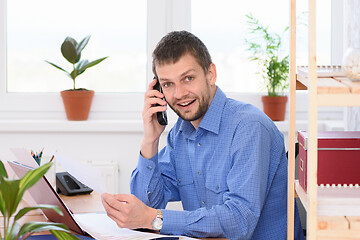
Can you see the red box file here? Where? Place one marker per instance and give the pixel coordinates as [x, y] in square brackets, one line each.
[338, 158]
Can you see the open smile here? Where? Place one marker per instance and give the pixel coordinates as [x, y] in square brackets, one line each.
[186, 104]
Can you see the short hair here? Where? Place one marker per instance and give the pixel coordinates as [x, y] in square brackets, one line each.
[176, 44]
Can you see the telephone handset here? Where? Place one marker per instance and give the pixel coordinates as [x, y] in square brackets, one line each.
[161, 116]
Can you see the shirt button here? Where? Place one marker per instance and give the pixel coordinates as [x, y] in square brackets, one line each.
[148, 192]
[203, 202]
[199, 172]
[199, 144]
[179, 180]
[217, 187]
[149, 167]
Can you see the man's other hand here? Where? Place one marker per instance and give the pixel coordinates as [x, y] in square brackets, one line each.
[128, 211]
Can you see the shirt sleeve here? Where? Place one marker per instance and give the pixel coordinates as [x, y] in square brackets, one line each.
[154, 182]
[238, 215]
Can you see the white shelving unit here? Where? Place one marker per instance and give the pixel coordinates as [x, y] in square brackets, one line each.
[332, 213]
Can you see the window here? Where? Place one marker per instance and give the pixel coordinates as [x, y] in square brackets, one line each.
[127, 31]
[36, 29]
[222, 26]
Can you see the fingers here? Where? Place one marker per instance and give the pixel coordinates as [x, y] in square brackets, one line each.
[153, 103]
[153, 93]
[115, 209]
[127, 210]
[154, 97]
[152, 84]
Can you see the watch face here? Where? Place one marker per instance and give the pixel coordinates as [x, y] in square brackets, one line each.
[157, 223]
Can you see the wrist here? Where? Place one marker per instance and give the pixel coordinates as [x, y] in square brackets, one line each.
[149, 149]
[157, 223]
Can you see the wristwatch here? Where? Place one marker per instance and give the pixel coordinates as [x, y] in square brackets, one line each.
[158, 221]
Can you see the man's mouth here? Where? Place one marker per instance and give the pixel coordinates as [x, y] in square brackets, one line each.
[186, 104]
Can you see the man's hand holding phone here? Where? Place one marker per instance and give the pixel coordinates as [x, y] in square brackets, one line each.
[153, 103]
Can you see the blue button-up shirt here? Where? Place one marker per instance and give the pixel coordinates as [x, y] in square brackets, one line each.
[230, 175]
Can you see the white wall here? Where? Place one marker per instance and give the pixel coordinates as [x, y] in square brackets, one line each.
[113, 144]
[98, 142]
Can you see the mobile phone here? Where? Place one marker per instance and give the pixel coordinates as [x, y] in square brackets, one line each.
[161, 116]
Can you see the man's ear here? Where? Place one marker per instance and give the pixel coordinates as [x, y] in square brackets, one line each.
[212, 73]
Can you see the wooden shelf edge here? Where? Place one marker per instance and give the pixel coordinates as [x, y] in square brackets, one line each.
[333, 201]
[302, 194]
[339, 100]
[300, 85]
[330, 85]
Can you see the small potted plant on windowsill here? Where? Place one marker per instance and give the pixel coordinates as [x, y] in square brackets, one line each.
[77, 101]
[11, 193]
[274, 69]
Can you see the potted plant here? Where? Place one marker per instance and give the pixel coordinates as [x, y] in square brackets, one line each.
[11, 193]
[274, 68]
[77, 101]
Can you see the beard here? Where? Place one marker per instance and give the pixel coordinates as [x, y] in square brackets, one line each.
[204, 102]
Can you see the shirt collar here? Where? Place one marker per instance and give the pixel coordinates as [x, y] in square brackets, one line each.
[212, 118]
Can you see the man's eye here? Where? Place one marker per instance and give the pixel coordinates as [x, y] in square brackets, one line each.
[166, 85]
[189, 78]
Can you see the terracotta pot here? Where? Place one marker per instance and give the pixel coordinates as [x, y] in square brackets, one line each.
[275, 107]
[77, 103]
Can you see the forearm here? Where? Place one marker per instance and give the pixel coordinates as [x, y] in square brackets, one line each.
[149, 148]
[150, 186]
[231, 220]
[145, 181]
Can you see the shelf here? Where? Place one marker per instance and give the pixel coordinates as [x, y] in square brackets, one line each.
[333, 201]
[333, 91]
[334, 228]
[331, 213]
[331, 85]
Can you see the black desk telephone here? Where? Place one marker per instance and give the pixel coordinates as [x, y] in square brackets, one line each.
[68, 185]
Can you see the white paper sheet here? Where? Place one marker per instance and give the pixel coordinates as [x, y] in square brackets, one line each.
[85, 173]
[100, 226]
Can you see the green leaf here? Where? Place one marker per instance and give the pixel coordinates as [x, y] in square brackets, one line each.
[30, 178]
[34, 227]
[93, 63]
[10, 191]
[2, 204]
[74, 73]
[25, 210]
[63, 235]
[82, 44]
[14, 231]
[3, 172]
[80, 65]
[68, 50]
[56, 66]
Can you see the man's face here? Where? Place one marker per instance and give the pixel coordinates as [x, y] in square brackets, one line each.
[187, 88]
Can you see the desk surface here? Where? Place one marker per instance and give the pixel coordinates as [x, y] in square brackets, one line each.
[77, 204]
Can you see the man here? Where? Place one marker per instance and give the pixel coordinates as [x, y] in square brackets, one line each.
[224, 159]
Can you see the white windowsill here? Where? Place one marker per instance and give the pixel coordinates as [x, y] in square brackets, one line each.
[114, 126]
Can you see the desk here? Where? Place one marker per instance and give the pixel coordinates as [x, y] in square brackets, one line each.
[77, 204]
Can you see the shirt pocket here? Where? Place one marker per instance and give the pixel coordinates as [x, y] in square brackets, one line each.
[183, 181]
[215, 186]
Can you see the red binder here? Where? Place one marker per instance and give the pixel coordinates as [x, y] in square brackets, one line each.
[338, 158]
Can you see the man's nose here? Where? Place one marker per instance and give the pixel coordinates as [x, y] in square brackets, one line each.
[180, 91]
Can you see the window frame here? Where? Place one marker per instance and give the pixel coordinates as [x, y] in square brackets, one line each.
[163, 16]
